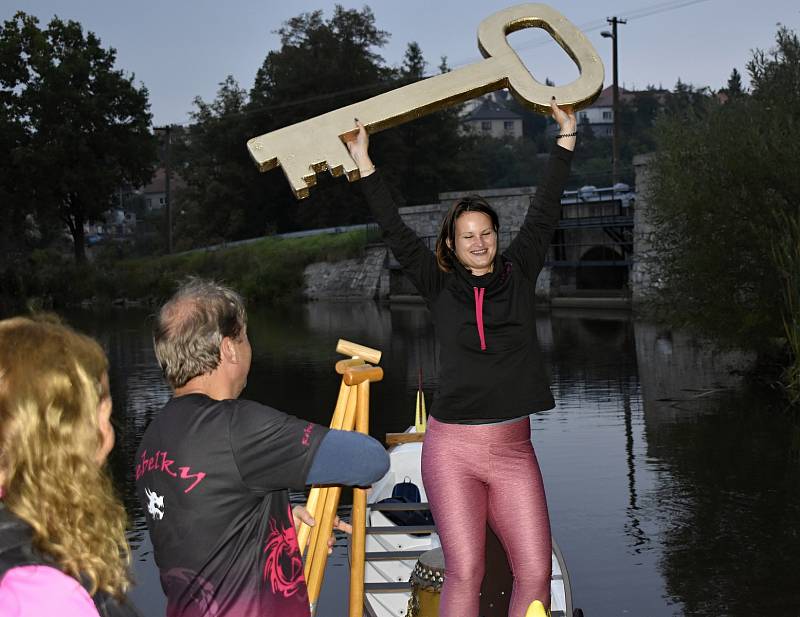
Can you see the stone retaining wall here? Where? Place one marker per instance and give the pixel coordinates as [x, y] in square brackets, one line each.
[364, 278]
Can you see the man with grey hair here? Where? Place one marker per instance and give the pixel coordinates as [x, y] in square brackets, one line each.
[213, 471]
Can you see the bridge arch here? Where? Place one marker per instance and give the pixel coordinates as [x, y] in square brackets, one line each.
[601, 267]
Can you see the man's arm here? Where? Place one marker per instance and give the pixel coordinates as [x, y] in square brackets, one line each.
[349, 458]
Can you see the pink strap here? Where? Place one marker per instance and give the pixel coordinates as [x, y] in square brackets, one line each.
[479, 291]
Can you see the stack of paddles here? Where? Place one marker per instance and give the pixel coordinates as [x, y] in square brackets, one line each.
[351, 413]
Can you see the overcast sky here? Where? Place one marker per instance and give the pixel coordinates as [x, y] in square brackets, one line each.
[180, 49]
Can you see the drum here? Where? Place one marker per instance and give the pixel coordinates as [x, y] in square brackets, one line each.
[426, 584]
[428, 577]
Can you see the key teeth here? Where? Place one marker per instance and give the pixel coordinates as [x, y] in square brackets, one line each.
[301, 177]
[256, 149]
[341, 163]
[349, 171]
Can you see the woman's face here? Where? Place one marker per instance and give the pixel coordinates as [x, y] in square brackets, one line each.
[104, 423]
[476, 242]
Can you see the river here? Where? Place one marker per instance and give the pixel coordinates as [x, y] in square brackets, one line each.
[673, 488]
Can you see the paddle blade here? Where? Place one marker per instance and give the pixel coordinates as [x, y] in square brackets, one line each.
[420, 417]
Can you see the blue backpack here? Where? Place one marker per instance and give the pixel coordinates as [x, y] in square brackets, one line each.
[407, 492]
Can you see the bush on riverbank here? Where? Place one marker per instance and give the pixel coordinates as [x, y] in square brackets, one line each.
[268, 271]
[726, 202]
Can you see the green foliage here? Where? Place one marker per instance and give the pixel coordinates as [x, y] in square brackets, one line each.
[268, 271]
[503, 163]
[775, 75]
[734, 88]
[227, 198]
[75, 127]
[726, 196]
[786, 256]
[637, 121]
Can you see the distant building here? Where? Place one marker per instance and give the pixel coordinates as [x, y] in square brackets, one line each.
[155, 192]
[116, 223]
[600, 116]
[121, 220]
[489, 117]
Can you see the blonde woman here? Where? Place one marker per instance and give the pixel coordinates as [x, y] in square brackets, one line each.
[62, 531]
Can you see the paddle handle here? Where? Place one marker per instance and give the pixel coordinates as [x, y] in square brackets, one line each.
[359, 516]
[354, 350]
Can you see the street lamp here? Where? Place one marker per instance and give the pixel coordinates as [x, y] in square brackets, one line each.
[615, 110]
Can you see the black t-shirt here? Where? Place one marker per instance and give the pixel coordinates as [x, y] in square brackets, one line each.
[213, 477]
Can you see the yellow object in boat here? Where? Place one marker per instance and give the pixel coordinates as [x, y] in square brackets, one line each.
[536, 609]
[421, 417]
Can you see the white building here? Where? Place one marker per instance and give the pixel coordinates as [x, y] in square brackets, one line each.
[600, 116]
[487, 117]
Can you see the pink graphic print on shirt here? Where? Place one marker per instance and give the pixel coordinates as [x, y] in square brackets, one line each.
[307, 434]
[283, 566]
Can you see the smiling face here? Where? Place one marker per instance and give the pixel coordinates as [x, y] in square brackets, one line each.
[475, 242]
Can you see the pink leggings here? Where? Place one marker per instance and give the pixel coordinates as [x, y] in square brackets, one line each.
[475, 473]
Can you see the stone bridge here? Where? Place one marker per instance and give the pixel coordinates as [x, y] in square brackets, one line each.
[599, 249]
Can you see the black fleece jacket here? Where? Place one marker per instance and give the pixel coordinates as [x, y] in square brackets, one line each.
[491, 367]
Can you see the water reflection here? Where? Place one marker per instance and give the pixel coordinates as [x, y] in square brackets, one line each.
[672, 490]
[731, 499]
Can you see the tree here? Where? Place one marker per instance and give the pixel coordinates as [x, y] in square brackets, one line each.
[221, 200]
[734, 88]
[775, 75]
[727, 201]
[430, 154]
[226, 197]
[296, 82]
[686, 100]
[413, 62]
[79, 127]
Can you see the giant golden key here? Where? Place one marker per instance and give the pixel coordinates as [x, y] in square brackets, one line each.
[317, 144]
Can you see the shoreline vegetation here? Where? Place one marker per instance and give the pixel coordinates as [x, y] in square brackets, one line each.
[267, 272]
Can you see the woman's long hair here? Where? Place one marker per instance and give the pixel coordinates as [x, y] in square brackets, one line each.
[50, 389]
[446, 242]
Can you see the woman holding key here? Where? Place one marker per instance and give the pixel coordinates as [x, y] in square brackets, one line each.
[478, 462]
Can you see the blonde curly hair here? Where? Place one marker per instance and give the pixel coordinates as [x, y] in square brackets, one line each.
[51, 383]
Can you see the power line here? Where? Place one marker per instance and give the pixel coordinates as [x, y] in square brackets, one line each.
[655, 9]
[661, 7]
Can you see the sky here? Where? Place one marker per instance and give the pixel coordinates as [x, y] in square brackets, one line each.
[180, 49]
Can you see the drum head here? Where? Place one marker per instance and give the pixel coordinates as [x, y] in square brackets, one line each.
[429, 571]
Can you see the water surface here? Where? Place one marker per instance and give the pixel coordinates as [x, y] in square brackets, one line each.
[672, 488]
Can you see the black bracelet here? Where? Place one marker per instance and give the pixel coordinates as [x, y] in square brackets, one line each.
[575, 134]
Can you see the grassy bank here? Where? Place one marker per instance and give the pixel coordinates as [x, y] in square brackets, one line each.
[268, 271]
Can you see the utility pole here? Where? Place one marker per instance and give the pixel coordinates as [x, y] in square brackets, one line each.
[167, 202]
[615, 144]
